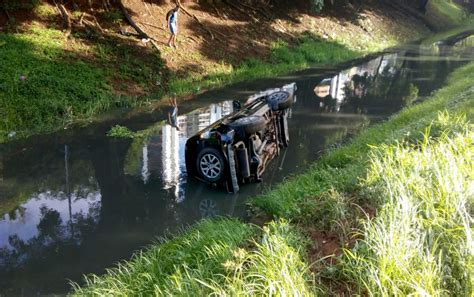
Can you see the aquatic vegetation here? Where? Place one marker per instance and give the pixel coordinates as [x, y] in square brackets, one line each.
[120, 132]
[412, 95]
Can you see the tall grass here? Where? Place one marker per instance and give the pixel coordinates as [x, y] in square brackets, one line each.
[213, 258]
[421, 241]
[172, 267]
[274, 267]
[300, 198]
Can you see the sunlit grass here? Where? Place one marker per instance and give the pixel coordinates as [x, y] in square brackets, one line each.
[212, 259]
[421, 241]
[273, 267]
[416, 169]
[174, 267]
[283, 59]
[468, 24]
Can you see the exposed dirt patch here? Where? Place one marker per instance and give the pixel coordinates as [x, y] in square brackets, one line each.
[324, 244]
[260, 219]
[224, 36]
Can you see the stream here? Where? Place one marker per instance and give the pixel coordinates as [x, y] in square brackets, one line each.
[76, 201]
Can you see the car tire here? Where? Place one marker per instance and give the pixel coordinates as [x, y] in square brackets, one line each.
[279, 100]
[210, 164]
[249, 124]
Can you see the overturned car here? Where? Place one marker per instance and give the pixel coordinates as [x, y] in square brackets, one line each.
[236, 149]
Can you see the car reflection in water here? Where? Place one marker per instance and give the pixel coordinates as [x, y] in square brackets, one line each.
[98, 203]
[76, 204]
[161, 156]
[361, 87]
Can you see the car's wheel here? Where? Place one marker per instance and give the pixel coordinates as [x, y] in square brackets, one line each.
[208, 208]
[210, 164]
[279, 100]
[250, 124]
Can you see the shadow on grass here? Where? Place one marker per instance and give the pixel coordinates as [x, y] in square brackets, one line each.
[44, 86]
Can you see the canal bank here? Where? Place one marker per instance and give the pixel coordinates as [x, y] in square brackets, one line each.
[342, 210]
[55, 80]
[79, 201]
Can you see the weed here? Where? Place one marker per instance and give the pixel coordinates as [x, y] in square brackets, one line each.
[120, 132]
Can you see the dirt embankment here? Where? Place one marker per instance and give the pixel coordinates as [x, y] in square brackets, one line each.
[215, 33]
[229, 32]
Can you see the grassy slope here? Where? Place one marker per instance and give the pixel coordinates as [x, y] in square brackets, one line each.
[310, 51]
[421, 240]
[211, 258]
[447, 9]
[437, 167]
[48, 83]
[46, 88]
[435, 209]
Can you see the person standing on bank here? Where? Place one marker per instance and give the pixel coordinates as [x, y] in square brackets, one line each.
[172, 23]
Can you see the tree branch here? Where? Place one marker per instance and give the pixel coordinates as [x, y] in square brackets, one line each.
[66, 18]
[195, 18]
[140, 32]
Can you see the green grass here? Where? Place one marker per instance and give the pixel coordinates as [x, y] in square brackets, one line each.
[214, 258]
[467, 24]
[274, 267]
[421, 241]
[38, 83]
[415, 171]
[283, 58]
[173, 267]
[44, 87]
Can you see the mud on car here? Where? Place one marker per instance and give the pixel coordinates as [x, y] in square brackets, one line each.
[237, 148]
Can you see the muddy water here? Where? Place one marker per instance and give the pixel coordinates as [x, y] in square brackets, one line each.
[77, 202]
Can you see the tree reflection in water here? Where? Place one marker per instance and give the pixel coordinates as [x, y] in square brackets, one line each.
[53, 235]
